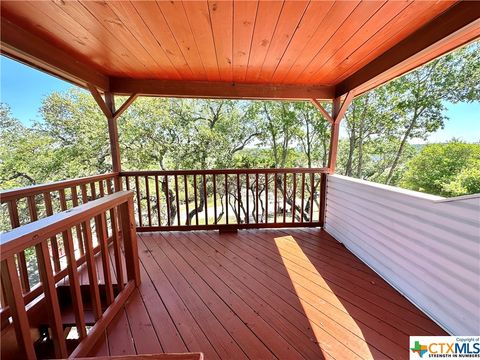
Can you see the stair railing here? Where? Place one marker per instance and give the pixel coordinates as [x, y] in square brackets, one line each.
[101, 222]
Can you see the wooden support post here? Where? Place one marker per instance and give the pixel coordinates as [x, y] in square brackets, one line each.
[113, 135]
[338, 111]
[130, 241]
[108, 108]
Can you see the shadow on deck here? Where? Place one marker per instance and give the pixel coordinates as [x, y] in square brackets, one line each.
[261, 294]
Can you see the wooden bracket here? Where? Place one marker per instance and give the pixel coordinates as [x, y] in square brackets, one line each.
[124, 106]
[324, 112]
[109, 111]
[343, 108]
[98, 98]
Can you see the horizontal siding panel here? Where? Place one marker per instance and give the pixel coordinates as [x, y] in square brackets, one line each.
[426, 246]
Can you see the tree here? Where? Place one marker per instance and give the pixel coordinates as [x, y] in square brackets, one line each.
[410, 107]
[421, 95]
[313, 135]
[445, 169]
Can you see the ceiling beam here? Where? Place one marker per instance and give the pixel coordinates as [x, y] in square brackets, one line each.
[441, 35]
[221, 90]
[34, 51]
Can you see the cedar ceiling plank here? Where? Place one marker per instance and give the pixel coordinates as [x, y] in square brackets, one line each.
[266, 21]
[405, 23]
[226, 90]
[129, 15]
[331, 22]
[116, 30]
[377, 21]
[244, 19]
[362, 13]
[457, 20]
[199, 19]
[292, 14]
[154, 20]
[115, 53]
[221, 15]
[177, 21]
[33, 50]
[35, 17]
[308, 26]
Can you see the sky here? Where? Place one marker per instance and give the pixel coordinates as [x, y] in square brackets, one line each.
[23, 89]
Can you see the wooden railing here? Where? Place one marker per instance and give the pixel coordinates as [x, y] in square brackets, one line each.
[109, 215]
[23, 205]
[227, 199]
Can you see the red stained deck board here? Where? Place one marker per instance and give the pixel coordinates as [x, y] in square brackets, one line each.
[201, 290]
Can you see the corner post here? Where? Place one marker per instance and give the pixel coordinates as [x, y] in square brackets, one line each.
[113, 135]
[129, 234]
[335, 131]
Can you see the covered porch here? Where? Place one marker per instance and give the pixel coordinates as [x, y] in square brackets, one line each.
[279, 263]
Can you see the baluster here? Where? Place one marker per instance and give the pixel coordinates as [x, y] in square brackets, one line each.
[74, 283]
[83, 189]
[139, 203]
[116, 249]
[130, 242]
[185, 183]
[100, 226]
[195, 197]
[226, 198]
[323, 194]
[93, 190]
[167, 200]
[215, 198]
[101, 189]
[303, 197]
[239, 195]
[294, 195]
[285, 197]
[157, 194]
[77, 227]
[266, 198]
[13, 294]
[51, 299]
[312, 193]
[256, 199]
[109, 186]
[92, 272]
[177, 200]
[147, 191]
[53, 240]
[22, 262]
[127, 182]
[205, 201]
[275, 178]
[247, 182]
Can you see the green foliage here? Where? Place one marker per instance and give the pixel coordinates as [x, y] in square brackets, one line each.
[410, 107]
[445, 169]
[156, 133]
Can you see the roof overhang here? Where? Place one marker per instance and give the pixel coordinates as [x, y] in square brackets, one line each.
[455, 26]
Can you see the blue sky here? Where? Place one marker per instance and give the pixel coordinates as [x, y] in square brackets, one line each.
[23, 88]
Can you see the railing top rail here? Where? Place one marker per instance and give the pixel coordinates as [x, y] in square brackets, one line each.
[224, 171]
[28, 235]
[14, 194]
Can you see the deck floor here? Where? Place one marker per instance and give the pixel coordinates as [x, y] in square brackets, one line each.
[261, 294]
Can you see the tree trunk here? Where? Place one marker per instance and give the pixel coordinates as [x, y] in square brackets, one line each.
[400, 149]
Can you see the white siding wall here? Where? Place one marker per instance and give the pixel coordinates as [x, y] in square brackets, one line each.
[427, 247]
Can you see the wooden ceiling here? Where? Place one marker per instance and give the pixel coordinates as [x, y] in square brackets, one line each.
[309, 47]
